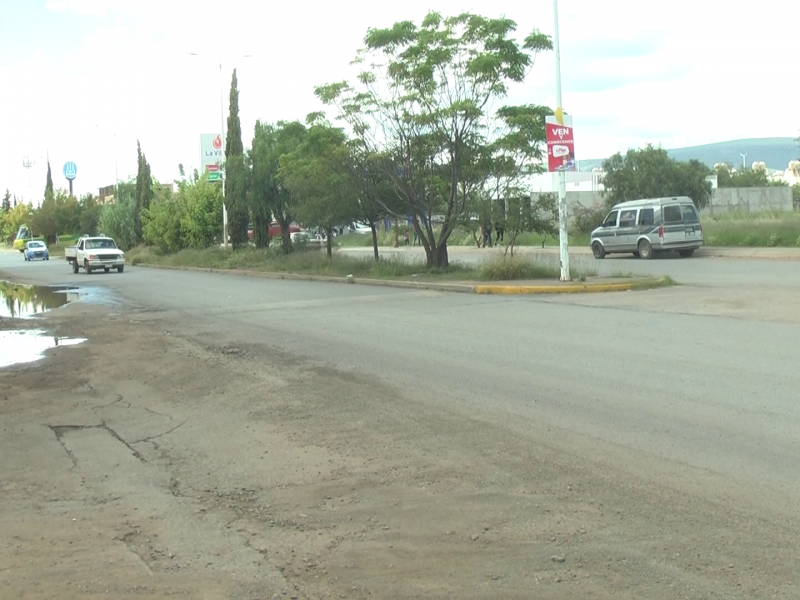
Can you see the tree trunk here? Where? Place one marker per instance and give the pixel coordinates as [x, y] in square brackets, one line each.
[286, 236]
[374, 241]
[329, 242]
[261, 231]
[436, 255]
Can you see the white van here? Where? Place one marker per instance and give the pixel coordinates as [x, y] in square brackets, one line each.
[645, 227]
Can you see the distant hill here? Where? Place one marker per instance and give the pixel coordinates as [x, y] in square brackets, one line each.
[775, 152]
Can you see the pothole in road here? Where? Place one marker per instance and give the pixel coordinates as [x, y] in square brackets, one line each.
[19, 346]
[23, 301]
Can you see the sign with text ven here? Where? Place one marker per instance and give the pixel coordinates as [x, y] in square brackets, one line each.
[212, 155]
[560, 144]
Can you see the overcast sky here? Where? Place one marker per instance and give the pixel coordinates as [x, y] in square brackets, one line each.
[84, 79]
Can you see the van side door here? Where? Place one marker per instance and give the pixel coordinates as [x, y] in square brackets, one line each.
[627, 230]
[608, 232]
[674, 230]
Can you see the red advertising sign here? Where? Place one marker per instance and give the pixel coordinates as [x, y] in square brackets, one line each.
[560, 145]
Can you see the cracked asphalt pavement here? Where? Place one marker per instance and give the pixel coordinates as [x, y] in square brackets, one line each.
[226, 437]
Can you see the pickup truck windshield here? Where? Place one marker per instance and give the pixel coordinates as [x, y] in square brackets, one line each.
[98, 244]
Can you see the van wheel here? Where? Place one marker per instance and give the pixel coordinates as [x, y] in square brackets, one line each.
[686, 253]
[645, 250]
[598, 250]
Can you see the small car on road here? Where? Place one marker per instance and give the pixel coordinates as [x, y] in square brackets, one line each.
[35, 250]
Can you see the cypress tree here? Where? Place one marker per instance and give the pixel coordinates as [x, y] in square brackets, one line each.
[6, 206]
[235, 173]
[49, 194]
[143, 194]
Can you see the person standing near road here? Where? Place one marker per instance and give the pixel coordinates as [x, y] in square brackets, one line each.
[405, 237]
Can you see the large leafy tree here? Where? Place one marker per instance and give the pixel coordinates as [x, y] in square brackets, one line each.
[427, 99]
[649, 172]
[268, 196]
[236, 172]
[143, 194]
[319, 177]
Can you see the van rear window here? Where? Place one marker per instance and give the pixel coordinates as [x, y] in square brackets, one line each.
[689, 214]
[672, 214]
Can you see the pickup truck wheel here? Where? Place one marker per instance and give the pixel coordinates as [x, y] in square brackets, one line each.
[75, 266]
[120, 268]
[106, 269]
[87, 268]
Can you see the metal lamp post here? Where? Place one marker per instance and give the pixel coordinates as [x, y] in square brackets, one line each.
[222, 132]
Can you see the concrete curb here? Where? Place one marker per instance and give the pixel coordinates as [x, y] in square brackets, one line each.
[570, 288]
[463, 288]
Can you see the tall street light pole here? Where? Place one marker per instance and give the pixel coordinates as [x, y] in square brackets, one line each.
[222, 134]
[563, 240]
[744, 159]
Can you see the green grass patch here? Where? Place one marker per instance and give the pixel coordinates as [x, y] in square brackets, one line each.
[317, 263]
[765, 229]
[517, 268]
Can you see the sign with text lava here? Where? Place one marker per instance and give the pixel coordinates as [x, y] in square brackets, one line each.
[560, 144]
[212, 154]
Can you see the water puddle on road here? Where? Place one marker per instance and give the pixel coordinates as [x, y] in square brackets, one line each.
[19, 346]
[23, 301]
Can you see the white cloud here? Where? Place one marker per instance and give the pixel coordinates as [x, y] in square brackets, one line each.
[678, 74]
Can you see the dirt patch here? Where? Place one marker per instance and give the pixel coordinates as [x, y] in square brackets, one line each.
[156, 460]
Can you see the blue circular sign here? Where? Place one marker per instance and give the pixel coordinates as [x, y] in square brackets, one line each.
[70, 170]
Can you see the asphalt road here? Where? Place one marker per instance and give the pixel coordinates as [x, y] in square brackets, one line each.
[703, 390]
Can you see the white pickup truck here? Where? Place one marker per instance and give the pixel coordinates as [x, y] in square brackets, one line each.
[95, 253]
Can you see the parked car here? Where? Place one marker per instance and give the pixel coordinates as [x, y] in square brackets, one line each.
[275, 229]
[645, 227]
[35, 250]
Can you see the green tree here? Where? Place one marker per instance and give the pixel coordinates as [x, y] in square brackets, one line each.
[236, 173]
[161, 225]
[649, 172]
[318, 176]
[143, 194]
[426, 99]
[268, 196]
[11, 221]
[89, 214]
[202, 211]
[48, 188]
[118, 220]
[6, 205]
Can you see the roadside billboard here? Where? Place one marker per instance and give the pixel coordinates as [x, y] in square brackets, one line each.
[560, 144]
[212, 155]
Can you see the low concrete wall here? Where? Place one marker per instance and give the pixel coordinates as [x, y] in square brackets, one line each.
[750, 199]
[722, 199]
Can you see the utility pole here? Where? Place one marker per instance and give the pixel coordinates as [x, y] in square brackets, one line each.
[563, 241]
[222, 171]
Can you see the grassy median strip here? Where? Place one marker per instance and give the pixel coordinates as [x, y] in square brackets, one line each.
[317, 263]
